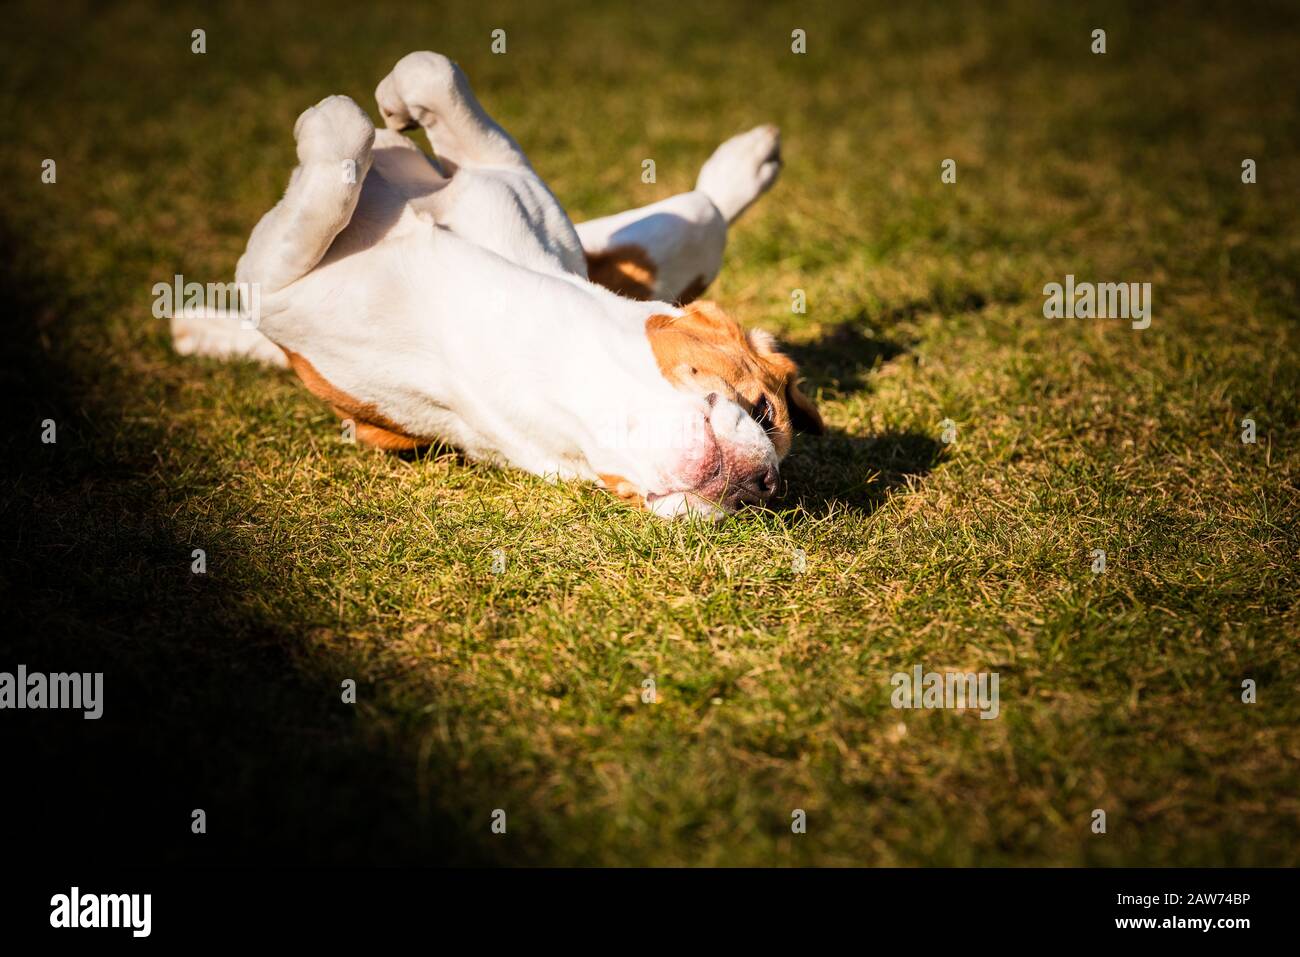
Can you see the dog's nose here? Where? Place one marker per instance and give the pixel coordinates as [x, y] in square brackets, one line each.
[755, 488]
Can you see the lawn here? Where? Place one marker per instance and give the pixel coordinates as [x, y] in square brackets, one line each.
[977, 455]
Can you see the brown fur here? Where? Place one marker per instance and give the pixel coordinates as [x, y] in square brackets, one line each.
[373, 427]
[705, 350]
[627, 270]
[623, 489]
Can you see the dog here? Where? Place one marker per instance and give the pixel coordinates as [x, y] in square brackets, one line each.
[449, 298]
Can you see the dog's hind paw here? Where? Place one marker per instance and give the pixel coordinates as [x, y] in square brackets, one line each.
[741, 170]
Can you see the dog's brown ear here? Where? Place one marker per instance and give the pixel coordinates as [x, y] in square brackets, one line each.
[803, 411]
[804, 416]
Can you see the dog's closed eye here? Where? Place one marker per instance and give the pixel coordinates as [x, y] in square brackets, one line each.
[761, 412]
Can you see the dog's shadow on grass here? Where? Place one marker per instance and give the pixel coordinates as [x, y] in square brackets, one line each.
[840, 470]
[842, 359]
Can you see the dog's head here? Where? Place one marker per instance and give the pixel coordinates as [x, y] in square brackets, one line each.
[749, 403]
[705, 351]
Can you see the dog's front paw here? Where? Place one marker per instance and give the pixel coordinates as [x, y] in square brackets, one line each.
[418, 87]
[685, 505]
[333, 130]
[392, 107]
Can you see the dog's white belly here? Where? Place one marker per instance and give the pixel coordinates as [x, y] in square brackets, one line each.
[401, 318]
[514, 215]
[508, 211]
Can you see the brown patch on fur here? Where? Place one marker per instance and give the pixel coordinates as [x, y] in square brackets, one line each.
[693, 291]
[627, 270]
[704, 350]
[373, 427]
[623, 489]
[386, 439]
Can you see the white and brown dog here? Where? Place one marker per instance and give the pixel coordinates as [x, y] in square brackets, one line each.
[451, 299]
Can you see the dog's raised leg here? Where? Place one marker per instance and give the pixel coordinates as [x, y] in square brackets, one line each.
[428, 90]
[741, 170]
[673, 249]
[334, 153]
[501, 204]
[334, 145]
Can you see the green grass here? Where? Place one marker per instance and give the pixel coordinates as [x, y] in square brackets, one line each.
[522, 691]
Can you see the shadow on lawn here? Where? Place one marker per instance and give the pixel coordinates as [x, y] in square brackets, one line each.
[842, 359]
[839, 470]
[209, 701]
